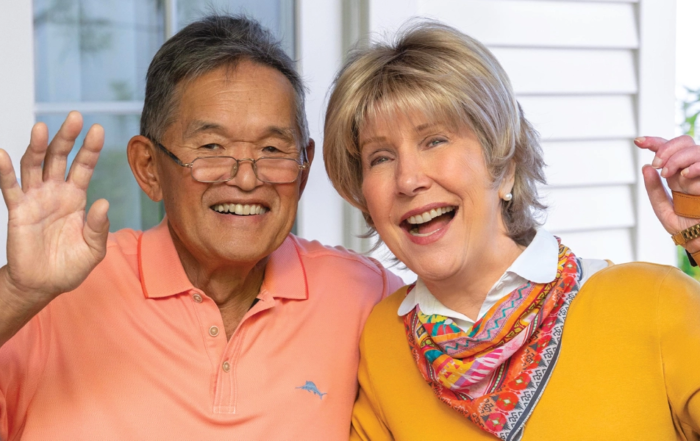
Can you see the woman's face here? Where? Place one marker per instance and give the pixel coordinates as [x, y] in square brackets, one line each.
[430, 195]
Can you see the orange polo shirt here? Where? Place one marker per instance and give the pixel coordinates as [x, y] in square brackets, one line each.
[137, 352]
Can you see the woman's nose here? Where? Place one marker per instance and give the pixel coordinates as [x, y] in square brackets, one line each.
[411, 177]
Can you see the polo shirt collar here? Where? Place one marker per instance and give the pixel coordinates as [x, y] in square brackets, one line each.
[162, 274]
[285, 275]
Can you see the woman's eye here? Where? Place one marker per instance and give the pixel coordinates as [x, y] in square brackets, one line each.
[378, 160]
[436, 141]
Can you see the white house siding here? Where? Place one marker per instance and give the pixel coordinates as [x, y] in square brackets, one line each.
[591, 76]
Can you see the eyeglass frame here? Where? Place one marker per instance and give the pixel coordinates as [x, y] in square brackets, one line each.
[302, 165]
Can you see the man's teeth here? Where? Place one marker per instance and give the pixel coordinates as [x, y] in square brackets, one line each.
[239, 209]
[429, 215]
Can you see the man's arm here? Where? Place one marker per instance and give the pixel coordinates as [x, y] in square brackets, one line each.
[52, 244]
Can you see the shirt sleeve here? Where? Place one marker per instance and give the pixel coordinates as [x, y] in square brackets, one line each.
[367, 420]
[679, 336]
[22, 361]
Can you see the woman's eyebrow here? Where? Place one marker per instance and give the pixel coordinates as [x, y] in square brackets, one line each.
[371, 140]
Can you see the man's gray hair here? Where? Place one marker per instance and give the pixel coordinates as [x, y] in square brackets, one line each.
[205, 45]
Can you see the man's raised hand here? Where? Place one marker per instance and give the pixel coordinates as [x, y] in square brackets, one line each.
[52, 245]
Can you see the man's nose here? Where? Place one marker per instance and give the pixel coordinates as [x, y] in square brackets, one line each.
[245, 177]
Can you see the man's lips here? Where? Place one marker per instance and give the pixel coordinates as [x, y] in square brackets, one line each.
[240, 209]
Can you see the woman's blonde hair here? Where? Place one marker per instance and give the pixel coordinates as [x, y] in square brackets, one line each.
[452, 78]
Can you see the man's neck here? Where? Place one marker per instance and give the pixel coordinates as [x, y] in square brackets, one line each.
[232, 287]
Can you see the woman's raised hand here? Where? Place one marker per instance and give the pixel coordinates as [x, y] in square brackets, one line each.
[52, 245]
[679, 162]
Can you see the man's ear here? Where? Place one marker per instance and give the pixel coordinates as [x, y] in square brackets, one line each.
[310, 150]
[141, 155]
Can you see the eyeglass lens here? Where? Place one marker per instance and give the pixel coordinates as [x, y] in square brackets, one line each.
[220, 169]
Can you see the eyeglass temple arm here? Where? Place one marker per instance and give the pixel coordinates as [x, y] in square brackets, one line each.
[172, 156]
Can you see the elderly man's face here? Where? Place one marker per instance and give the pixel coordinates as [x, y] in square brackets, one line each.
[246, 112]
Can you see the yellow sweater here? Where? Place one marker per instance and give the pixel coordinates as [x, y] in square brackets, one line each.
[629, 368]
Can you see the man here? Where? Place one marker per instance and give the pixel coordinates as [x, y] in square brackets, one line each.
[214, 325]
[217, 324]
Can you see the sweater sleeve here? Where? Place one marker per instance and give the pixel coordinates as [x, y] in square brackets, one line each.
[367, 419]
[678, 323]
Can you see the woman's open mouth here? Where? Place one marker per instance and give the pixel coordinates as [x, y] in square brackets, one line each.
[429, 222]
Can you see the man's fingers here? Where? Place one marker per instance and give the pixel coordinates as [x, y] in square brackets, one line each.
[86, 159]
[11, 191]
[30, 164]
[660, 200]
[60, 147]
[96, 228]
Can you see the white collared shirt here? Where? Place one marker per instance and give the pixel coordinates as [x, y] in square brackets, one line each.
[537, 263]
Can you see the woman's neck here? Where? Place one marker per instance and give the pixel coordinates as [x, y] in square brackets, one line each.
[466, 291]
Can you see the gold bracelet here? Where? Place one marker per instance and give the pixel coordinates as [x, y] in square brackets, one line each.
[685, 236]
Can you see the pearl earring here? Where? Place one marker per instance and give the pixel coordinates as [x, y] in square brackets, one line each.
[508, 197]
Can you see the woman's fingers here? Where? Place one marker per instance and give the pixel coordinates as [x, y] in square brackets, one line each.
[692, 171]
[85, 161]
[31, 162]
[681, 159]
[660, 200]
[57, 153]
[11, 191]
[665, 151]
[652, 143]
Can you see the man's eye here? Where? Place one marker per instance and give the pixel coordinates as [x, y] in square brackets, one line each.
[210, 146]
[271, 149]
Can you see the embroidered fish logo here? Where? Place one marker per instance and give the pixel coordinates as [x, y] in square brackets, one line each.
[311, 387]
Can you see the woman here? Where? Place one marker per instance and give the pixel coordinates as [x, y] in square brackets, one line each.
[506, 333]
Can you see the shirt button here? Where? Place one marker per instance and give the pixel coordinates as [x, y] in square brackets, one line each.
[197, 298]
[226, 366]
[213, 331]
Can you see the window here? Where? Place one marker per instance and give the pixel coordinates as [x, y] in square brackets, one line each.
[92, 56]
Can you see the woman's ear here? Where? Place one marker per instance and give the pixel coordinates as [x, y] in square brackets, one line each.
[507, 183]
[140, 153]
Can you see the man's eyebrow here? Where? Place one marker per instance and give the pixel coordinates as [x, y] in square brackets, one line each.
[284, 133]
[198, 126]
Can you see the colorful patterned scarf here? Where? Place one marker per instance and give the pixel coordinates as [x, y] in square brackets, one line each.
[495, 373]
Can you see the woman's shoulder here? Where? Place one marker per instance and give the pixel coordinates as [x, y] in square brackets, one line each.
[384, 320]
[641, 283]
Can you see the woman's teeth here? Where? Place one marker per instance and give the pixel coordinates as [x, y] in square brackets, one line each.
[241, 210]
[429, 215]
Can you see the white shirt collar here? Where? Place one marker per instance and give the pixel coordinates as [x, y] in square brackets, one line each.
[537, 263]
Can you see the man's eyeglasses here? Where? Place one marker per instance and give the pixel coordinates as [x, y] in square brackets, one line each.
[213, 169]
